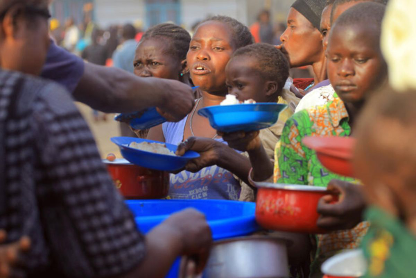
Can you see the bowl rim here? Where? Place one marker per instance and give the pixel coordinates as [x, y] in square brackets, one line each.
[291, 187]
[117, 161]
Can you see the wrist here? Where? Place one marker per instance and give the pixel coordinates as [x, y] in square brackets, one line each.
[171, 237]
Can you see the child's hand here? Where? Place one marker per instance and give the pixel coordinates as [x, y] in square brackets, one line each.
[11, 264]
[194, 234]
[344, 214]
[242, 141]
[208, 149]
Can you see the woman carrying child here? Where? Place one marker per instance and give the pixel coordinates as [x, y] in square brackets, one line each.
[211, 47]
[355, 68]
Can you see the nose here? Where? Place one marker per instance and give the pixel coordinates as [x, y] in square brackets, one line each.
[283, 37]
[145, 72]
[346, 68]
[203, 55]
[325, 42]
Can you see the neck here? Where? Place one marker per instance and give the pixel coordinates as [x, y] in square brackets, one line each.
[210, 100]
[354, 110]
[319, 69]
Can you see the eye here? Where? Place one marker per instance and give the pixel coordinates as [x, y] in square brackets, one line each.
[361, 60]
[292, 26]
[217, 48]
[193, 47]
[154, 64]
[240, 86]
[335, 59]
[324, 32]
[137, 64]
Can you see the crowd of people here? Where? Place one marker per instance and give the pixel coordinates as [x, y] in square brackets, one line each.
[60, 214]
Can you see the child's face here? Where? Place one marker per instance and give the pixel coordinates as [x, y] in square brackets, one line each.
[301, 40]
[209, 52]
[244, 81]
[152, 60]
[355, 64]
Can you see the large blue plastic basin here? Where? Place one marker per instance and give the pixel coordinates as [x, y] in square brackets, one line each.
[227, 219]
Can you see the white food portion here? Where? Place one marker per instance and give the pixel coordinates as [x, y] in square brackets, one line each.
[152, 147]
[232, 99]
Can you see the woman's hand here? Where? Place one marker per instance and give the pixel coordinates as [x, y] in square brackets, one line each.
[208, 149]
[344, 213]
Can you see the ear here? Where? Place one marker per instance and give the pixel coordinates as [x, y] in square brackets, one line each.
[11, 23]
[271, 88]
[184, 67]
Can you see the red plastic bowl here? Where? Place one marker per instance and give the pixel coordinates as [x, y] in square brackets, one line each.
[135, 182]
[335, 153]
[290, 208]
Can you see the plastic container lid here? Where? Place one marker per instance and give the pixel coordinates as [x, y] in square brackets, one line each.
[227, 219]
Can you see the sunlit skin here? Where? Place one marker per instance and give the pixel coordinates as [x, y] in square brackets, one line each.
[153, 59]
[299, 34]
[246, 82]
[325, 25]
[209, 52]
[355, 64]
[340, 9]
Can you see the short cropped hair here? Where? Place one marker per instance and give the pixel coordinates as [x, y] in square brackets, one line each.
[178, 38]
[241, 35]
[386, 130]
[363, 14]
[337, 3]
[271, 63]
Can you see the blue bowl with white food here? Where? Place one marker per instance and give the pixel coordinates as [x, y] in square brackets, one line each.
[232, 116]
[152, 154]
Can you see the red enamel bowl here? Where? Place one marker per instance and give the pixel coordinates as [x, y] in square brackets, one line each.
[290, 208]
[135, 182]
[334, 153]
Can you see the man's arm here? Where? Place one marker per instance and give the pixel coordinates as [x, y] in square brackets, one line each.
[114, 90]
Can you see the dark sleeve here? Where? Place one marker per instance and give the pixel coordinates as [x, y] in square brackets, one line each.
[90, 230]
[63, 67]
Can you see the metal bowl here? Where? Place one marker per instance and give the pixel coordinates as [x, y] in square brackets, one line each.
[248, 257]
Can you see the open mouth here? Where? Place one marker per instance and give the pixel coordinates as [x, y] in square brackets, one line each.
[200, 69]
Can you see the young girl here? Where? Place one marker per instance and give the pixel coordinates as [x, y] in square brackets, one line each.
[211, 47]
[161, 53]
[355, 68]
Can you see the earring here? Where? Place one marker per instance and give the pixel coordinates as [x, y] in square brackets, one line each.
[181, 74]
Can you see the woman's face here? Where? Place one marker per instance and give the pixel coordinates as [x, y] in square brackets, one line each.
[153, 59]
[302, 41]
[209, 52]
[355, 63]
[325, 25]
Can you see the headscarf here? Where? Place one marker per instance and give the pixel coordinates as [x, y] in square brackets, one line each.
[311, 9]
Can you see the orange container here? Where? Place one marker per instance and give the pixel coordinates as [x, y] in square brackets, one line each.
[135, 182]
[335, 153]
[290, 208]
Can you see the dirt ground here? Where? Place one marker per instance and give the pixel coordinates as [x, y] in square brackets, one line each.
[102, 131]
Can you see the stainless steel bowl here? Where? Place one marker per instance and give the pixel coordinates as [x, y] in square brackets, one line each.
[248, 257]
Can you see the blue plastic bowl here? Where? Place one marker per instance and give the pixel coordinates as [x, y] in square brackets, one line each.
[148, 119]
[242, 117]
[152, 160]
[227, 219]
